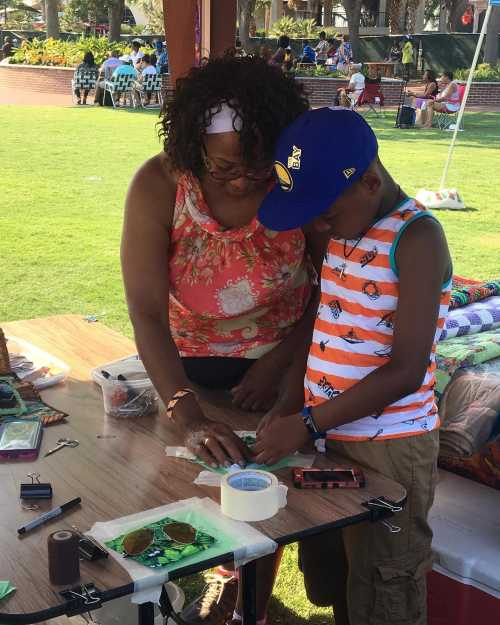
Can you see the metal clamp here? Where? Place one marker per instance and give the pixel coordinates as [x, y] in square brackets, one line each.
[81, 598]
[381, 508]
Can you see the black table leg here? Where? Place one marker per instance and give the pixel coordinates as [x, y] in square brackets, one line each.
[248, 580]
[146, 613]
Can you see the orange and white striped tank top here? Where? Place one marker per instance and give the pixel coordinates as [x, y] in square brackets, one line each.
[353, 333]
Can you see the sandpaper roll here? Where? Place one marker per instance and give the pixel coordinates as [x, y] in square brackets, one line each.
[64, 561]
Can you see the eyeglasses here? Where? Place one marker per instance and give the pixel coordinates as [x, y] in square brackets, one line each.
[137, 542]
[262, 171]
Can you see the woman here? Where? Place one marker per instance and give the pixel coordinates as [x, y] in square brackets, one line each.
[238, 294]
[344, 54]
[447, 101]
[421, 98]
[88, 67]
[279, 56]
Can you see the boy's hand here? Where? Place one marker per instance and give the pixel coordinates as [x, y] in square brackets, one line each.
[280, 437]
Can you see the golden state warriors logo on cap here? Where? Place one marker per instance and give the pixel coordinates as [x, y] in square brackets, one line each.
[284, 177]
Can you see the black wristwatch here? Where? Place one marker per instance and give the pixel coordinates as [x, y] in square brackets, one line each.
[310, 424]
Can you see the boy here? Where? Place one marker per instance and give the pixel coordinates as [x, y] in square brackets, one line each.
[385, 289]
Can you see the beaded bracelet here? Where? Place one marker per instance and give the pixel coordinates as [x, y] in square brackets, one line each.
[176, 397]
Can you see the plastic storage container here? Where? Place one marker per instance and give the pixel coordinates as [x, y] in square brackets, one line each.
[131, 398]
[35, 365]
[464, 586]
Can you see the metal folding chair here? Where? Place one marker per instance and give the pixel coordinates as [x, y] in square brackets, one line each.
[85, 80]
[444, 120]
[122, 84]
[151, 84]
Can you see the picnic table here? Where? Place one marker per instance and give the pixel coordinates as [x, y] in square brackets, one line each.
[120, 468]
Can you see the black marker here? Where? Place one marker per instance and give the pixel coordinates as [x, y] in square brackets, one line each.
[51, 514]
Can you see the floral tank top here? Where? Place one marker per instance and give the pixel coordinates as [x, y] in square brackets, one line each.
[233, 292]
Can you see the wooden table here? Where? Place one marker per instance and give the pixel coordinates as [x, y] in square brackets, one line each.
[384, 68]
[127, 474]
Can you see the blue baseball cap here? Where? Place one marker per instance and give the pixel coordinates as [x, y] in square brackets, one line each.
[320, 155]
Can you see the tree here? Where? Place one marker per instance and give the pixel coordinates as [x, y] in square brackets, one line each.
[353, 14]
[52, 18]
[116, 9]
[153, 10]
[491, 45]
[246, 10]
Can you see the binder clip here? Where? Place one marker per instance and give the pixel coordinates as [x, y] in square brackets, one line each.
[36, 489]
[88, 548]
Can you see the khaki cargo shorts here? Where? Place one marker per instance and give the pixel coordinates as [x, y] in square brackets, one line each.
[370, 575]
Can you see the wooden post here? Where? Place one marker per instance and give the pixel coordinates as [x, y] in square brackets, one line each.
[180, 29]
[222, 26]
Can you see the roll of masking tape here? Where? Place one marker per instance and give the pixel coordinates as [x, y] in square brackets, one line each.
[251, 495]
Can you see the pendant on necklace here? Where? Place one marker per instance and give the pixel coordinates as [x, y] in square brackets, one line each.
[343, 268]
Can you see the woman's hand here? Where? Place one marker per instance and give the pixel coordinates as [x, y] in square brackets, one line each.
[280, 437]
[259, 386]
[216, 444]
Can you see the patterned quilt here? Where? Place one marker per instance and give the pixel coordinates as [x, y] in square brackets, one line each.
[464, 351]
[465, 291]
[481, 316]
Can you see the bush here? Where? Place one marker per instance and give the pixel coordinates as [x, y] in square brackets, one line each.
[60, 53]
[484, 73]
[319, 71]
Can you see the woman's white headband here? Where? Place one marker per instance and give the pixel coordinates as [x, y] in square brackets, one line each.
[225, 120]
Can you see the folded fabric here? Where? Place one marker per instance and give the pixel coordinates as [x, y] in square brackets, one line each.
[469, 412]
[5, 588]
[465, 291]
[483, 467]
[478, 317]
[464, 351]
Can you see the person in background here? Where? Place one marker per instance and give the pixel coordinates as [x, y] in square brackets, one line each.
[356, 85]
[447, 100]
[240, 51]
[395, 56]
[321, 49]
[308, 54]
[146, 68]
[368, 385]
[162, 63]
[279, 56]
[288, 61]
[105, 72]
[110, 64]
[215, 299]
[344, 54]
[265, 53]
[407, 58]
[8, 47]
[88, 65]
[136, 54]
[125, 69]
[422, 96]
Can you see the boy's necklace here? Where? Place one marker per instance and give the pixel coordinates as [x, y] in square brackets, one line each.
[347, 254]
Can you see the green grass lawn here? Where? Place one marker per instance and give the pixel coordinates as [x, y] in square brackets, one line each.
[63, 178]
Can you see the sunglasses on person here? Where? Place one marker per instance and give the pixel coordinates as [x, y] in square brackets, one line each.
[137, 542]
[262, 171]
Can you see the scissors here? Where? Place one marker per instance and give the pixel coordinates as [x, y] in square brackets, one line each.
[62, 442]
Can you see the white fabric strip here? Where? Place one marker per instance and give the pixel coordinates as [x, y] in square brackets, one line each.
[225, 120]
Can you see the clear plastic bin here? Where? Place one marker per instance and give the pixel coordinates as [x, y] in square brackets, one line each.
[130, 398]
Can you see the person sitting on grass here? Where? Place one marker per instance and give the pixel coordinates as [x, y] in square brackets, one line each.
[86, 67]
[422, 96]
[368, 386]
[216, 299]
[447, 100]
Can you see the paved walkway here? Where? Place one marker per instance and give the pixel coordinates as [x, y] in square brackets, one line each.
[35, 98]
